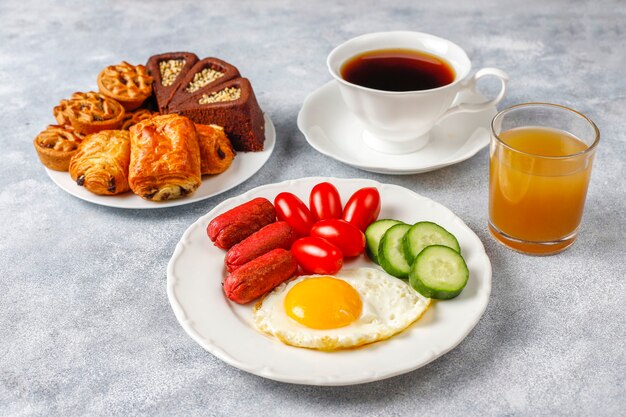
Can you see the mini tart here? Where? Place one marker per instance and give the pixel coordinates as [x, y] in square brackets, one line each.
[89, 113]
[130, 85]
[55, 146]
[132, 118]
[216, 151]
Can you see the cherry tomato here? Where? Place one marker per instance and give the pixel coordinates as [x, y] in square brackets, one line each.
[362, 208]
[292, 210]
[316, 255]
[325, 202]
[347, 237]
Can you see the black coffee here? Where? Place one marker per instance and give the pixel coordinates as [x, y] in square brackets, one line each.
[397, 70]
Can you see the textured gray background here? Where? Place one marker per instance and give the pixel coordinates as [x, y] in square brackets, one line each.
[85, 325]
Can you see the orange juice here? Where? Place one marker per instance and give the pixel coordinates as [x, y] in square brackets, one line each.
[537, 187]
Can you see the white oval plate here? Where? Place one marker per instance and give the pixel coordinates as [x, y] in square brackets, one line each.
[245, 165]
[332, 130]
[196, 270]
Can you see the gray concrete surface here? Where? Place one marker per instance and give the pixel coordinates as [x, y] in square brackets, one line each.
[85, 325]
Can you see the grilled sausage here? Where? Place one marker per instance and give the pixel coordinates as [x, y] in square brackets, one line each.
[260, 276]
[272, 236]
[238, 223]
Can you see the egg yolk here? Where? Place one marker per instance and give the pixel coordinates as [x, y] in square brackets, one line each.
[323, 303]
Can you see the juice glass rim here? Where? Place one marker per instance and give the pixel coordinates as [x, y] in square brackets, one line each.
[503, 112]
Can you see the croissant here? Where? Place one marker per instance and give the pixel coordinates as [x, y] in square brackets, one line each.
[216, 151]
[101, 163]
[165, 158]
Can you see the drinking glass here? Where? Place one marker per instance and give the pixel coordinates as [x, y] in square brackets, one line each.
[541, 156]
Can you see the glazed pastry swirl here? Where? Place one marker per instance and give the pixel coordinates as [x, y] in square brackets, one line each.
[135, 117]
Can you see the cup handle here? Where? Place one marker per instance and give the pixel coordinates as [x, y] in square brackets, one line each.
[470, 84]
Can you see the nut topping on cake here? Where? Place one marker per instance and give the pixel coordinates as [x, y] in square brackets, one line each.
[232, 105]
[227, 94]
[202, 78]
[170, 69]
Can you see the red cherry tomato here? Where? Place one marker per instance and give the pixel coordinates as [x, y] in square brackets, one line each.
[325, 202]
[317, 255]
[292, 210]
[362, 208]
[347, 237]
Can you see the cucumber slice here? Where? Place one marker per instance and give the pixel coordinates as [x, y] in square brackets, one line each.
[424, 234]
[391, 252]
[374, 233]
[439, 272]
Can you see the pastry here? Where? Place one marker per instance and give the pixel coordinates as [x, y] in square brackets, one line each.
[202, 77]
[165, 158]
[232, 105]
[130, 85]
[216, 152]
[132, 118]
[101, 163]
[168, 70]
[89, 113]
[55, 146]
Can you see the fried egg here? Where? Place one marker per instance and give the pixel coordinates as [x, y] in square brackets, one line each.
[353, 308]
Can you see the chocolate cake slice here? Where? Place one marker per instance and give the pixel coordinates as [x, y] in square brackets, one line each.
[168, 71]
[202, 77]
[231, 105]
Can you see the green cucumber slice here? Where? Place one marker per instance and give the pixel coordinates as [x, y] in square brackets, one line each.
[391, 252]
[439, 272]
[424, 234]
[374, 233]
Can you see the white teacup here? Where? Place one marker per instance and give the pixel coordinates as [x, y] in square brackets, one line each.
[399, 122]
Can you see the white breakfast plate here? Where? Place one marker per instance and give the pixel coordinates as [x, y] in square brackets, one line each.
[332, 130]
[225, 329]
[245, 165]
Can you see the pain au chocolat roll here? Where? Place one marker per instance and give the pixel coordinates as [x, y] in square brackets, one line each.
[164, 158]
[168, 71]
[101, 163]
[232, 105]
[203, 77]
[216, 151]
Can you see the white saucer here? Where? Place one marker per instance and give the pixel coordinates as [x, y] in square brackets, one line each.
[332, 130]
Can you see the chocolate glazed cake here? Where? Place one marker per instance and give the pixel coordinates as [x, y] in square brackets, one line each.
[232, 105]
[202, 77]
[168, 71]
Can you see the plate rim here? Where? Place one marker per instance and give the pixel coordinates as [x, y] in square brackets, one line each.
[109, 201]
[185, 323]
[372, 168]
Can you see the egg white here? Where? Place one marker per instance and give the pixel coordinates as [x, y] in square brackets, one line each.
[390, 305]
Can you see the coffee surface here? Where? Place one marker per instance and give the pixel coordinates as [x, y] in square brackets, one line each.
[397, 70]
